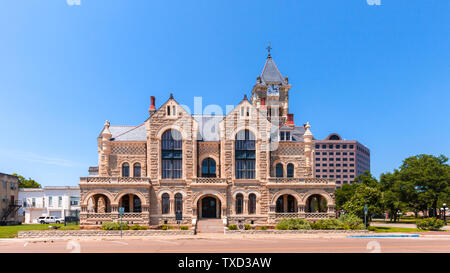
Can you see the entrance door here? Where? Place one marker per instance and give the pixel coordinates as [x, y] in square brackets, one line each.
[209, 206]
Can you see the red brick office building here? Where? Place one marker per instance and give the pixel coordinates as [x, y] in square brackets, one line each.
[342, 160]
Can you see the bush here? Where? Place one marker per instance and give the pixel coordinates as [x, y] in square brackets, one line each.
[430, 224]
[351, 221]
[166, 227]
[263, 227]
[232, 227]
[328, 224]
[293, 224]
[247, 227]
[114, 226]
[184, 227]
[138, 227]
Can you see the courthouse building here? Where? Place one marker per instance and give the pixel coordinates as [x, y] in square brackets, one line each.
[252, 165]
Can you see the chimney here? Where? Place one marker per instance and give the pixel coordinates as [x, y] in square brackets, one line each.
[152, 105]
[290, 120]
[263, 101]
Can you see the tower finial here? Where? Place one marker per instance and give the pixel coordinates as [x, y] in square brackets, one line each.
[268, 50]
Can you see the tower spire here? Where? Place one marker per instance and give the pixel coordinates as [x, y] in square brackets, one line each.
[268, 50]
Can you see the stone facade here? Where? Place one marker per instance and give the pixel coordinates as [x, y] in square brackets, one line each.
[263, 177]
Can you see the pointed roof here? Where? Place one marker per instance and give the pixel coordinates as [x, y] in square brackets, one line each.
[271, 73]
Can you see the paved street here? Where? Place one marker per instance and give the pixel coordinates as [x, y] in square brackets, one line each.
[233, 244]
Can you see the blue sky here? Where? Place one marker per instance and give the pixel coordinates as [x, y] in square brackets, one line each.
[377, 74]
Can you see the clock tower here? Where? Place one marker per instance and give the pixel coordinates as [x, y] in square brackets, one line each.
[272, 91]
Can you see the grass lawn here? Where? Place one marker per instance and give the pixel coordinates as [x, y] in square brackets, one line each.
[11, 231]
[401, 221]
[395, 229]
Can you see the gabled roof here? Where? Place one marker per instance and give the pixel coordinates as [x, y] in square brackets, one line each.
[271, 73]
[128, 133]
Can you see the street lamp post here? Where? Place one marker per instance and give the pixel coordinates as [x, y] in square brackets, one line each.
[444, 209]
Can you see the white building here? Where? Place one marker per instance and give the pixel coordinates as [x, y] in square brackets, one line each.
[49, 201]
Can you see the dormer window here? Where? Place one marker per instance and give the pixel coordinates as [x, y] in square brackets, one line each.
[285, 136]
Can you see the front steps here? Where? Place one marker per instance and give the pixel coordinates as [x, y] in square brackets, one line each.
[210, 226]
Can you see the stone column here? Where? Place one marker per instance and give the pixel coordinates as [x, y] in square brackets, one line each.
[131, 202]
[245, 208]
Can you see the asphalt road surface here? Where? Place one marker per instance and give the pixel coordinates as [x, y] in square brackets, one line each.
[218, 244]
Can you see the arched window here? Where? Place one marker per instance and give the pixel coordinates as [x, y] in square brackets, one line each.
[178, 202]
[245, 155]
[171, 154]
[239, 203]
[208, 167]
[137, 170]
[290, 170]
[126, 170]
[165, 203]
[252, 203]
[279, 170]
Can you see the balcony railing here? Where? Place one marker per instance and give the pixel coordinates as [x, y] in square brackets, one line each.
[209, 180]
[307, 215]
[290, 180]
[113, 180]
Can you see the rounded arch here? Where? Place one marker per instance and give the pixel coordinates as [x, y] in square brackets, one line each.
[236, 192]
[160, 193]
[91, 193]
[283, 192]
[333, 136]
[180, 192]
[254, 131]
[210, 193]
[326, 195]
[166, 128]
[131, 191]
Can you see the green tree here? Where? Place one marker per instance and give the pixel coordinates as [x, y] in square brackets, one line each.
[429, 176]
[364, 191]
[27, 183]
[393, 196]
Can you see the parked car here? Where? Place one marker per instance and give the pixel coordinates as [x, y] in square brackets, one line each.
[50, 220]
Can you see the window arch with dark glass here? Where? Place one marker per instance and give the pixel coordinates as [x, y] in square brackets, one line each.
[245, 155]
[239, 203]
[137, 170]
[125, 170]
[178, 202]
[165, 203]
[252, 203]
[290, 170]
[208, 167]
[171, 154]
[279, 170]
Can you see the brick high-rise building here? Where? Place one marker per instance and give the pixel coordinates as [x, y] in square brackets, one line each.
[342, 160]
